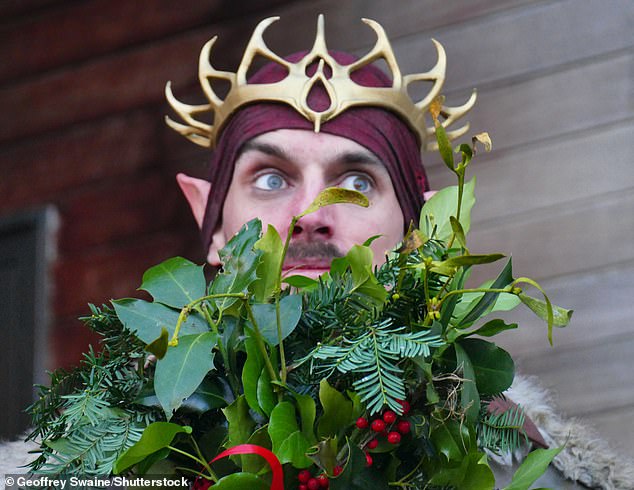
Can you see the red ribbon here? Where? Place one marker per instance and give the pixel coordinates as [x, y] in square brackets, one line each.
[278, 475]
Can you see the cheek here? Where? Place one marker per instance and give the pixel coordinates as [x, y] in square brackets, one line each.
[238, 211]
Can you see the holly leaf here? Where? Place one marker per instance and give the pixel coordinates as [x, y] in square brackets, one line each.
[183, 369]
[175, 282]
[493, 367]
[146, 320]
[239, 264]
[337, 411]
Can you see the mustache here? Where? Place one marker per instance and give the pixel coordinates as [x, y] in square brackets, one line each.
[313, 250]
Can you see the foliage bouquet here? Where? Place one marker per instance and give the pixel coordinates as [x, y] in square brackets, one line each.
[364, 379]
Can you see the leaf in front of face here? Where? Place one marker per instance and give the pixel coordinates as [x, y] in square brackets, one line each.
[239, 264]
[363, 279]
[534, 466]
[269, 268]
[336, 195]
[146, 320]
[266, 317]
[441, 206]
[156, 436]
[493, 367]
[175, 282]
[337, 411]
[183, 369]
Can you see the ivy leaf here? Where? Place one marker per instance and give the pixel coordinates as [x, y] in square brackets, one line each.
[337, 411]
[146, 320]
[239, 264]
[175, 282]
[183, 368]
[156, 436]
[469, 396]
[266, 318]
[336, 195]
[534, 465]
[438, 210]
[493, 367]
[269, 268]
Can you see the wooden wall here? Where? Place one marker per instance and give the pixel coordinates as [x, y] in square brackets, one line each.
[82, 129]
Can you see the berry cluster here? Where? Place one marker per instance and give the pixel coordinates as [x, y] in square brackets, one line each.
[388, 426]
[310, 482]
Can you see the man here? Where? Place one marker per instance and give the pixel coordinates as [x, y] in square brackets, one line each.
[320, 119]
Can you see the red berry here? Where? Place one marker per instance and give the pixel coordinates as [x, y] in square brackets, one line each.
[313, 484]
[362, 422]
[368, 460]
[394, 438]
[302, 487]
[337, 470]
[378, 425]
[404, 426]
[373, 444]
[389, 417]
[323, 481]
[405, 405]
[303, 476]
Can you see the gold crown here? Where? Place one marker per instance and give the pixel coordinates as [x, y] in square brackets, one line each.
[297, 85]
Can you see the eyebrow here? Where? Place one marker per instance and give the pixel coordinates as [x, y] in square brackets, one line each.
[348, 157]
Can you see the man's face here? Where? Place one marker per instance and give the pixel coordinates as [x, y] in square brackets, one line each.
[279, 173]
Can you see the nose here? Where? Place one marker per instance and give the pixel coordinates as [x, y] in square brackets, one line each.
[314, 226]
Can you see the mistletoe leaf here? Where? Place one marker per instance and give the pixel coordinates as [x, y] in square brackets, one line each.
[175, 282]
[438, 210]
[146, 320]
[183, 368]
[336, 195]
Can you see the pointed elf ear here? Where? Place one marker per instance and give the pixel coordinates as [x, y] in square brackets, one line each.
[196, 192]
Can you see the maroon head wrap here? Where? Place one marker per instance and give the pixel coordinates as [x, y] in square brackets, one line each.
[380, 131]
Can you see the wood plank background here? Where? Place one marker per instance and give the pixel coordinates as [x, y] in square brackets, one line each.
[81, 92]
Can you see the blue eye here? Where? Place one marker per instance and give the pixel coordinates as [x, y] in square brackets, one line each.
[270, 182]
[358, 183]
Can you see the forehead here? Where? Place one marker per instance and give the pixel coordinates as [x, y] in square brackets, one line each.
[304, 145]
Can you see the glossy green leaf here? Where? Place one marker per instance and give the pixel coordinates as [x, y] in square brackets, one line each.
[240, 422]
[336, 195]
[465, 260]
[146, 320]
[241, 481]
[364, 281]
[493, 367]
[300, 282]
[504, 279]
[337, 413]
[175, 282]
[469, 396]
[254, 463]
[251, 373]
[268, 270]
[450, 438]
[444, 147]
[534, 466]
[239, 264]
[265, 393]
[442, 205]
[472, 473]
[266, 318]
[307, 413]
[183, 369]
[293, 450]
[158, 346]
[357, 476]
[289, 444]
[156, 436]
